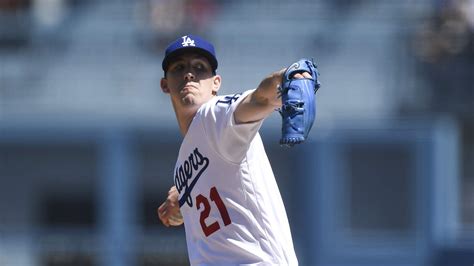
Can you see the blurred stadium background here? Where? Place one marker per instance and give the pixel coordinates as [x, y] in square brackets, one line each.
[88, 140]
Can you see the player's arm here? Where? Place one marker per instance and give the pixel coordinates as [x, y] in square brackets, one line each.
[263, 101]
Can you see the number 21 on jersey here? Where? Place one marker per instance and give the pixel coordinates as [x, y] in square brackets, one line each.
[203, 204]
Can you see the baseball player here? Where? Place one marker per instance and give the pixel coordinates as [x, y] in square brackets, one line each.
[224, 188]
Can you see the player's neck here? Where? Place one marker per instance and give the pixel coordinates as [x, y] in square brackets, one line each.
[184, 120]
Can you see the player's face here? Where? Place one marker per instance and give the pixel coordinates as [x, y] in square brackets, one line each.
[190, 81]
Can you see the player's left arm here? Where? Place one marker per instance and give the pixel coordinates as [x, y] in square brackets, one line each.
[264, 100]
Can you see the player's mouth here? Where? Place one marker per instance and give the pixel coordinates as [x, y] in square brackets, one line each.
[188, 88]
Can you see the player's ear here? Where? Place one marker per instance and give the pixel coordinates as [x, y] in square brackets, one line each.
[164, 85]
[216, 84]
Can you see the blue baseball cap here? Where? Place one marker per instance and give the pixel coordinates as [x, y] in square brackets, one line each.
[190, 43]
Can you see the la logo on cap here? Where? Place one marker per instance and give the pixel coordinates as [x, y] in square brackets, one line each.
[187, 41]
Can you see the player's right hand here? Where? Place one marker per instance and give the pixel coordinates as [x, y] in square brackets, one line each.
[169, 212]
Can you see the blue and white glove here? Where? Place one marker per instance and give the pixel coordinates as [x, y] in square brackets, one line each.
[298, 109]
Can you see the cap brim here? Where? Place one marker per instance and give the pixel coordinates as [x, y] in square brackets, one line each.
[171, 56]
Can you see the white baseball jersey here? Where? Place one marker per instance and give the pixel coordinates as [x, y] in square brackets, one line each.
[232, 209]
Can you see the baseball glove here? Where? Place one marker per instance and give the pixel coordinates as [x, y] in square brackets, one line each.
[298, 109]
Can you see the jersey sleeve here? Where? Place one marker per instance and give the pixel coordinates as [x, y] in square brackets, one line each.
[229, 139]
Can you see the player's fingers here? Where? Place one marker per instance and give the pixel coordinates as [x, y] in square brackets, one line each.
[176, 219]
[162, 216]
[307, 75]
[298, 76]
[162, 207]
[302, 75]
[164, 212]
[175, 222]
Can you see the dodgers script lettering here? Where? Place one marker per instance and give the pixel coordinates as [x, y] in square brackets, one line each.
[189, 171]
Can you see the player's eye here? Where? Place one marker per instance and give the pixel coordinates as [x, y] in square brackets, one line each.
[177, 67]
[200, 67]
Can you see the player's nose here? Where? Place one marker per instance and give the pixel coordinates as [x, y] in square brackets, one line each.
[189, 76]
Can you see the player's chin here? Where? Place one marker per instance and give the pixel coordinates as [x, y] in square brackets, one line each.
[189, 100]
